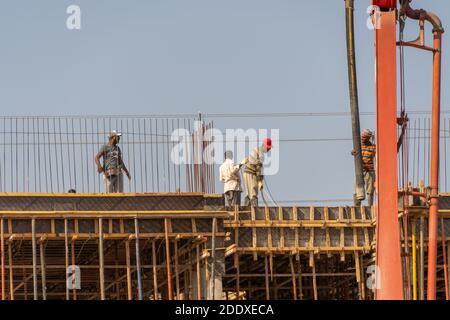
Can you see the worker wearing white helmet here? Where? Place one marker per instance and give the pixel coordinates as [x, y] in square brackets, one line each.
[368, 159]
[113, 164]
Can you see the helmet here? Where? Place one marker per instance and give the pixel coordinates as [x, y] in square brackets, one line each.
[267, 142]
[366, 133]
[114, 133]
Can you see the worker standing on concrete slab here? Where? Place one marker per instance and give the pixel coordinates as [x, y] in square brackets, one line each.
[253, 173]
[112, 164]
[368, 155]
[230, 177]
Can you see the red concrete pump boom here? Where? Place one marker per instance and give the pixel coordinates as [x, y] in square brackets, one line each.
[388, 260]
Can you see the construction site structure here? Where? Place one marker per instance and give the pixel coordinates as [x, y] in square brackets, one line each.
[184, 246]
[187, 246]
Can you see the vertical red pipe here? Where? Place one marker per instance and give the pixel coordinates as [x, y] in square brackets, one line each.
[434, 171]
[389, 275]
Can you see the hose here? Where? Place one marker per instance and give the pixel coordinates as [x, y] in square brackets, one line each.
[268, 192]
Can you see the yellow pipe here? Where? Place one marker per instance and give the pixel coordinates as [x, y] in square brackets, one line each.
[414, 259]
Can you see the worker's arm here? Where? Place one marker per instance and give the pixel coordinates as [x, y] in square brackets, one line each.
[221, 174]
[100, 169]
[236, 168]
[124, 167]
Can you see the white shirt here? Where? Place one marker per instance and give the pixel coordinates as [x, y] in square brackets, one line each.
[229, 175]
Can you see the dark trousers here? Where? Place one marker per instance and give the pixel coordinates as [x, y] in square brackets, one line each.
[232, 198]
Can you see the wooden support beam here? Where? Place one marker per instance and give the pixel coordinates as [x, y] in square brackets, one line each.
[74, 262]
[312, 264]
[238, 279]
[300, 282]
[254, 239]
[66, 253]
[101, 259]
[128, 275]
[266, 271]
[177, 271]
[155, 275]
[33, 241]
[2, 237]
[168, 263]
[138, 259]
[11, 276]
[294, 285]
[199, 284]
[43, 271]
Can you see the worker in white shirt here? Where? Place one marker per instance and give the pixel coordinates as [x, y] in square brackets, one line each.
[230, 176]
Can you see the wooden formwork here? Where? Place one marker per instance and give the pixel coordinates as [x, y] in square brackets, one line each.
[299, 252]
[186, 246]
[152, 246]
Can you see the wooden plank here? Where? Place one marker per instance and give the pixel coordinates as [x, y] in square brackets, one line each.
[311, 230]
[194, 225]
[295, 218]
[296, 224]
[280, 217]
[314, 278]
[358, 274]
[238, 280]
[294, 282]
[269, 234]
[327, 229]
[355, 232]
[199, 284]
[300, 282]
[155, 274]
[253, 217]
[266, 274]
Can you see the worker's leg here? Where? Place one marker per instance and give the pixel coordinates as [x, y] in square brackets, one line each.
[114, 183]
[227, 195]
[120, 183]
[369, 179]
[237, 198]
[254, 191]
[108, 184]
[247, 184]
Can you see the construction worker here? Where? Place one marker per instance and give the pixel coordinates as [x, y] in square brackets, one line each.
[112, 164]
[253, 173]
[368, 156]
[230, 177]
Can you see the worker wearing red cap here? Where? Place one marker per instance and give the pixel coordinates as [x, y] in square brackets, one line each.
[253, 173]
[368, 155]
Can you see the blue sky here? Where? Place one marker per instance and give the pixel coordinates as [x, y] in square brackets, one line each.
[213, 56]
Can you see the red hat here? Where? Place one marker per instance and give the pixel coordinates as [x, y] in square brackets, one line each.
[267, 142]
